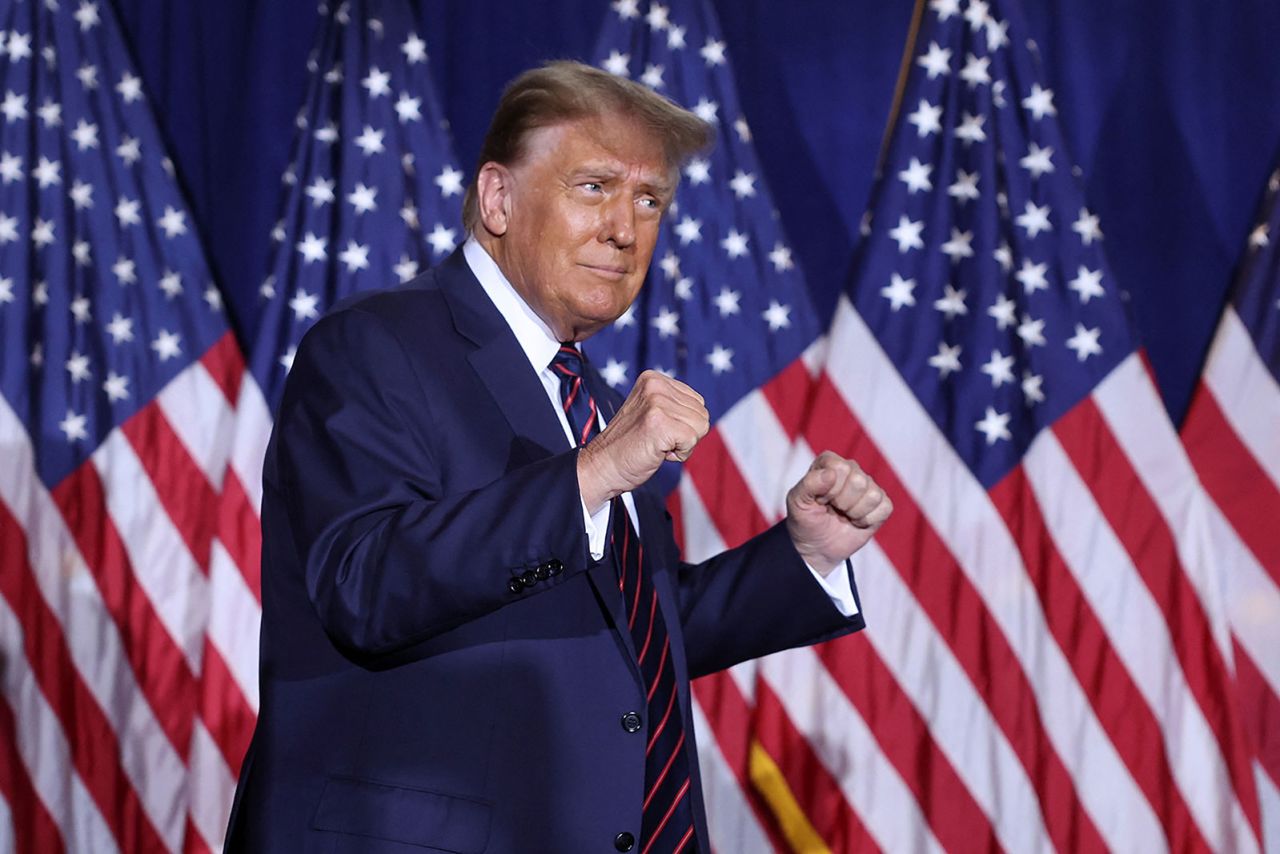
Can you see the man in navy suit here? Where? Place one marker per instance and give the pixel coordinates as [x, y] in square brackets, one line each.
[456, 645]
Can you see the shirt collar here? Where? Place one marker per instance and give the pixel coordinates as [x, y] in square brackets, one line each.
[535, 337]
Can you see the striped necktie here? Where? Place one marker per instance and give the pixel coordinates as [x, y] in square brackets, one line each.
[667, 823]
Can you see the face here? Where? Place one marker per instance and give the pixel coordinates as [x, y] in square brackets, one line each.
[572, 225]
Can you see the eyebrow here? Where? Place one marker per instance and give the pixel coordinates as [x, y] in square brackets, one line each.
[659, 186]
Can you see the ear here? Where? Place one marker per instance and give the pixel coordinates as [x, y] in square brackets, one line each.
[493, 196]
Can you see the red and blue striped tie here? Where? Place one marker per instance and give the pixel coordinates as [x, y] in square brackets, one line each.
[667, 823]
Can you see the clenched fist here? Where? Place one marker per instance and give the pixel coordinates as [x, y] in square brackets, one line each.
[834, 510]
[662, 419]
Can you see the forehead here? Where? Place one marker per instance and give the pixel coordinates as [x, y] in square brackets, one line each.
[617, 143]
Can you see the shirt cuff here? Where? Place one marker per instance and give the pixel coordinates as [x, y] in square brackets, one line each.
[597, 526]
[837, 586]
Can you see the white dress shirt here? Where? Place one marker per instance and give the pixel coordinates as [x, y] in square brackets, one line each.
[540, 345]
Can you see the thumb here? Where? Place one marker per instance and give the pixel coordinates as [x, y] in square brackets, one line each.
[815, 486]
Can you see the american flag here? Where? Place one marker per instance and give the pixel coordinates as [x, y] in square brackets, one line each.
[1232, 434]
[124, 700]
[725, 309]
[1047, 663]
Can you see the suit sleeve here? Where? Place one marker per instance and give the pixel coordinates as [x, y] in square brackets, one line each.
[388, 559]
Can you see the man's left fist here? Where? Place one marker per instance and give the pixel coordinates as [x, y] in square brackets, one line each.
[833, 511]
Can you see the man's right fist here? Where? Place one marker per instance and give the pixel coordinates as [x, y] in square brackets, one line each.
[662, 419]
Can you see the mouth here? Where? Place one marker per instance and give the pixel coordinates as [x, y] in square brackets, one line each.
[608, 271]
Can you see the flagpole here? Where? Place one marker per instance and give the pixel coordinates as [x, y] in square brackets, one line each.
[904, 68]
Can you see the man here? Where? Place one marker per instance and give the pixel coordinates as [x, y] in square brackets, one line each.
[477, 633]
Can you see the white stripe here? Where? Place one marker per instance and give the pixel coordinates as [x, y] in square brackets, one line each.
[839, 737]
[730, 821]
[234, 622]
[70, 592]
[701, 540]
[212, 788]
[161, 563]
[1246, 392]
[959, 721]
[202, 419]
[1269, 801]
[253, 430]
[43, 747]
[760, 448]
[1137, 631]
[961, 512]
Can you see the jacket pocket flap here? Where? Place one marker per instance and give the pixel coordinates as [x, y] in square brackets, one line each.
[414, 816]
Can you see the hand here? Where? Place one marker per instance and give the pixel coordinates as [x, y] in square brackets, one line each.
[833, 511]
[662, 419]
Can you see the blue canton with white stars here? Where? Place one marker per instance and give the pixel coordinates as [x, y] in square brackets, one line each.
[1257, 291]
[105, 295]
[981, 271]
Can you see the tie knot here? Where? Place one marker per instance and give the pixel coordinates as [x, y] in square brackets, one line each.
[567, 361]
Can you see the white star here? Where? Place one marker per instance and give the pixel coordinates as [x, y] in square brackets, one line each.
[916, 176]
[334, 75]
[975, 71]
[780, 257]
[689, 230]
[40, 294]
[409, 214]
[1031, 331]
[675, 37]
[937, 61]
[965, 186]
[976, 14]
[116, 387]
[8, 228]
[406, 269]
[10, 168]
[50, 113]
[50, 57]
[907, 234]
[1038, 160]
[363, 199]
[1085, 342]
[171, 283]
[304, 306]
[80, 309]
[777, 315]
[213, 297]
[1032, 387]
[78, 367]
[1004, 311]
[313, 248]
[1040, 102]
[617, 63]
[124, 269]
[87, 16]
[73, 426]
[6, 290]
[684, 288]
[742, 129]
[19, 46]
[657, 17]
[42, 232]
[37, 354]
[1087, 227]
[670, 265]
[698, 171]
[626, 9]
[995, 426]
[720, 359]
[1004, 255]
[706, 110]
[1034, 219]
[735, 244]
[167, 345]
[1258, 238]
[277, 232]
[959, 246]
[415, 49]
[945, 8]
[129, 150]
[1087, 283]
[47, 173]
[628, 318]
[652, 76]
[743, 184]
[727, 301]
[174, 221]
[355, 256]
[999, 368]
[952, 302]
[614, 372]
[1033, 277]
[899, 292]
[667, 322]
[407, 109]
[927, 118]
[85, 135]
[320, 191]
[449, 181]
[120, 328]
[970, 129]
[127, 211]
[88, 76]
[370, 141]
[997, 34]
[946, 360]
[81, 251]
[377, 82]
[713, 52]
[129, 87]
[327, 134]
[442, 239]
[14, 106]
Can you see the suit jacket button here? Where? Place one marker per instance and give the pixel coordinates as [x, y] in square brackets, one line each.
[624, 841]
[543, 572]
[631, 722]
[515, 585]
[555, 567]
[529, 578]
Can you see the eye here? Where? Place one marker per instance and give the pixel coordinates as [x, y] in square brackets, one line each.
[592, 186]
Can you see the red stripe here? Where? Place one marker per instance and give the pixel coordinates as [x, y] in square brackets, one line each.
[1261, 710]
[657, 831]
[240, 532]
[1136, 520]
[662, 775]
[192, 841]
[573, 392]
[639, 582]
[960, 616]
[688, 834]
[662, 664]
[626, 544]
[724, 491]
[33, 827]
[158, 664]
[1235, 481]
[95, 750]
[225, 363]
[181, 485]
[790, 395]
[729, 719]
[653, 737]
[653, 608]
[811, 784]
[676, 512]
[591, 422]
[1119, 706]
[224, 709]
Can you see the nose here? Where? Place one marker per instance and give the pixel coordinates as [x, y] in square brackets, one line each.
[618, 223]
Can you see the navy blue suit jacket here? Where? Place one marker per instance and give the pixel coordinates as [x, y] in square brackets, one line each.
[413, 696]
